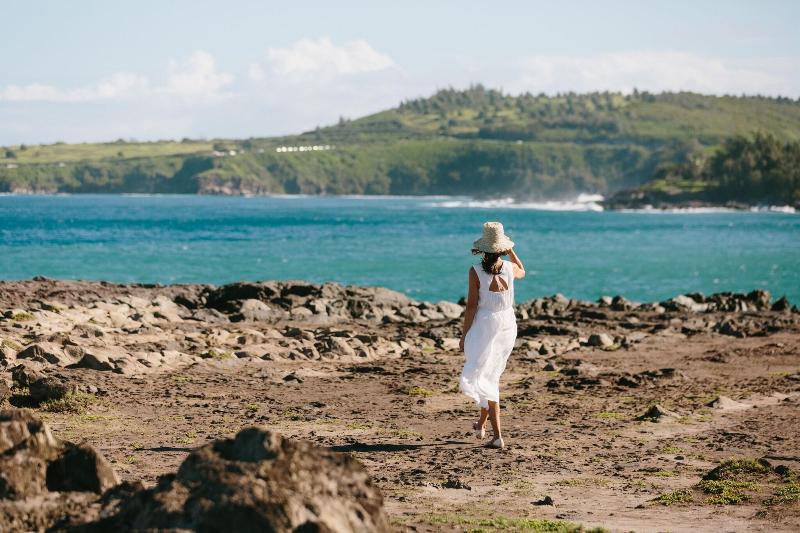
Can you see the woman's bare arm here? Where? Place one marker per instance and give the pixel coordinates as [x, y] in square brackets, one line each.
[472, 304]
[519, 269]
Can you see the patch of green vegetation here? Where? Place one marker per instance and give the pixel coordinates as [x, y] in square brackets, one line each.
[420, 391]
[73, 402]
[11, 344]
[294, 414]
[675, 497]
[131, 459]
[186, 438]
[672, 449]
[788, 494]
[218, 355]
[582, 482]
[22, 317]
[509, 524]
[609, 415]
[358, 425]
[91, 418]
[252, 407]
[726, 492]
[737, 469]
[181, 379]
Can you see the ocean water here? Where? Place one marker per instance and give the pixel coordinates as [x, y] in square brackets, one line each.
[420, 246]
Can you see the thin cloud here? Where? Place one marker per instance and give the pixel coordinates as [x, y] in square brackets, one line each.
[197, 77]
[314, 58]
[654, 71]
[118, 86]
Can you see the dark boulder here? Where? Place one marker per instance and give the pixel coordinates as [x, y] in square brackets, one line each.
[220, 297]
[80, 468]
[257, 481]
[50, 388]
[782, 305]
[33, 462]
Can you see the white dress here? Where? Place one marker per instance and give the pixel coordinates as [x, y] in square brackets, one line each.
[490, 339]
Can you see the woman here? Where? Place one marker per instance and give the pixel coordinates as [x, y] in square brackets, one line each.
[490, 327]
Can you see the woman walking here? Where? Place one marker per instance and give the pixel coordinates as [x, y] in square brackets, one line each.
[490, 327]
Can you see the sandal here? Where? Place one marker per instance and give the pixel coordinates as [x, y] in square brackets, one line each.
[496, 443]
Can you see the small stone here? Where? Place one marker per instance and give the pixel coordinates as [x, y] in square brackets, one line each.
[455, 483]
[602, 340]
[727, 404]
[657, 413]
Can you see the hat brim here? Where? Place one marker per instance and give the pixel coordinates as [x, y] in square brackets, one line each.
[502, 245]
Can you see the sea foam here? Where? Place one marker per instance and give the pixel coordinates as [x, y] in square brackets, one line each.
[583, 202]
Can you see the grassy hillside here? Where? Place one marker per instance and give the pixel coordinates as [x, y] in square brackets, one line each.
[478, 142]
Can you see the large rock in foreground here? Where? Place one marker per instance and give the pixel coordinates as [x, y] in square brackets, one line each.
[32, 461]
[257, 481]
[43, 480]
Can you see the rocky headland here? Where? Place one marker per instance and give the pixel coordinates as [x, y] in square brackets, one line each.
[634, 402]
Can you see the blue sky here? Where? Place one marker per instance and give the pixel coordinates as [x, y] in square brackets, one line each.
[93, 71]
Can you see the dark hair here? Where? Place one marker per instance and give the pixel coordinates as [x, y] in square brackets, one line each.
[490, 262]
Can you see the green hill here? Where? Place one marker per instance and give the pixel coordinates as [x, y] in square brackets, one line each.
[474, 142]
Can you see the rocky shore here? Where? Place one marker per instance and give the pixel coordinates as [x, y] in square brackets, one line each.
[344, 367]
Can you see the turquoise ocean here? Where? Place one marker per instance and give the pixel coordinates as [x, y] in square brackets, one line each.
[420, 246]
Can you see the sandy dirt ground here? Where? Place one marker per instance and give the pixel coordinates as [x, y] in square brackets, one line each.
[571, 419]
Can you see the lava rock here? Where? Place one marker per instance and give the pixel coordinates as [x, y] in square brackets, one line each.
[257, 481]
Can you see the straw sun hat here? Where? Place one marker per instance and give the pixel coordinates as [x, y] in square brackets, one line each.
[494, 240]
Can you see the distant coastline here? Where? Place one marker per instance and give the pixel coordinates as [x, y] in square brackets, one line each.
[584, 202]
[670, 150]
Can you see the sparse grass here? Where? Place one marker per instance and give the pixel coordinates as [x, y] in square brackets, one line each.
[508, 524]
[420, 391]
[186, 438]
[74, 402]
[217, 355]
[91, 418]
[609, 415]
[582, 482]
[737, 469]
[358, 425]
[22, 317]
[672, 449]
[788, 494]
[131, 459]
[181, 379]
[726, 492]
[293, 414]
[252, 407]
[675, 497]
[11, 344]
